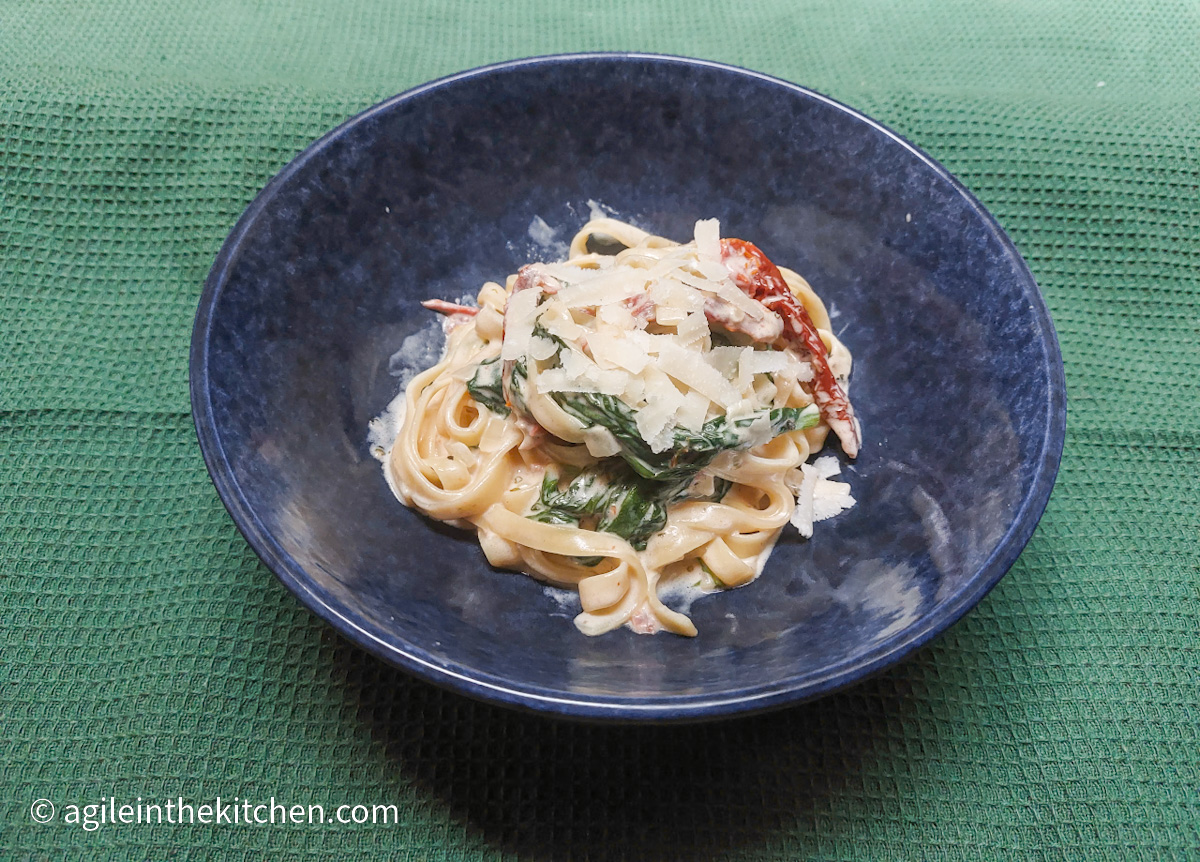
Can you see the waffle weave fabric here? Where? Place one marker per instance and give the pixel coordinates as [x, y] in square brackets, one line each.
[147, 653]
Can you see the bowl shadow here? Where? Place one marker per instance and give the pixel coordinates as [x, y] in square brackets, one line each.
[545, 788]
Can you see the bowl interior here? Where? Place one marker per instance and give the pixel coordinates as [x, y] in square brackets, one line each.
[957, 377]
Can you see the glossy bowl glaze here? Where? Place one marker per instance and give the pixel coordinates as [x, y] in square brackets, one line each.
[957, 378]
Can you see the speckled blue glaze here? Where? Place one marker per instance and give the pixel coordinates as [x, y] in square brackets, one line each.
[958, 378]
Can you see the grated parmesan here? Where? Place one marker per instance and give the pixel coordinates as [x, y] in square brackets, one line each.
[641, 332]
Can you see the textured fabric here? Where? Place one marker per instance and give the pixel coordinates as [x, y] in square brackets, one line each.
[147, 653]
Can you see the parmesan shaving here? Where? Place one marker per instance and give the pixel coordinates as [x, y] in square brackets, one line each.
[654, 420]
[830, 498]
[725, 359]
[802, 515]
[618, 317]
[713, 270]
[827, 465]
[612, 351]
[817, 498]
[692, 371]
[602, 289]
[669, 315]
[587, 376]
[541, 348]
[801, 371]
[708, 239]
[692, 329]
[518, 323]
[753, 362]
[675, 294]
[556, 380]
[560, 327]
[750, 307]
[635, 391]
[693, 411]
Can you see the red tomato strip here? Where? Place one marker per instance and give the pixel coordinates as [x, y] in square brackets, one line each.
[760, 279]
[440, 305]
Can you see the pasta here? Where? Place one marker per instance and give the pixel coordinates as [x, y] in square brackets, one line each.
[636, 419]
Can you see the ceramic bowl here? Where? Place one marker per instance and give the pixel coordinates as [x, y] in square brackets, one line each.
[312, 308]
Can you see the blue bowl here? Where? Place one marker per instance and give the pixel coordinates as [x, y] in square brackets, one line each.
[958, 377]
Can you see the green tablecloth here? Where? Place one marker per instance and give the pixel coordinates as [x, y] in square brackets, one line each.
[147, 653]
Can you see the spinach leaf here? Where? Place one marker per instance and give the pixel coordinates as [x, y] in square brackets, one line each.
[516, 386]
[486, 386]
[624, 504]
[691, 450]
[632, 514]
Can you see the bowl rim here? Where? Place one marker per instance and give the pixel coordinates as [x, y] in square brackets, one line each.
[620, 708]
